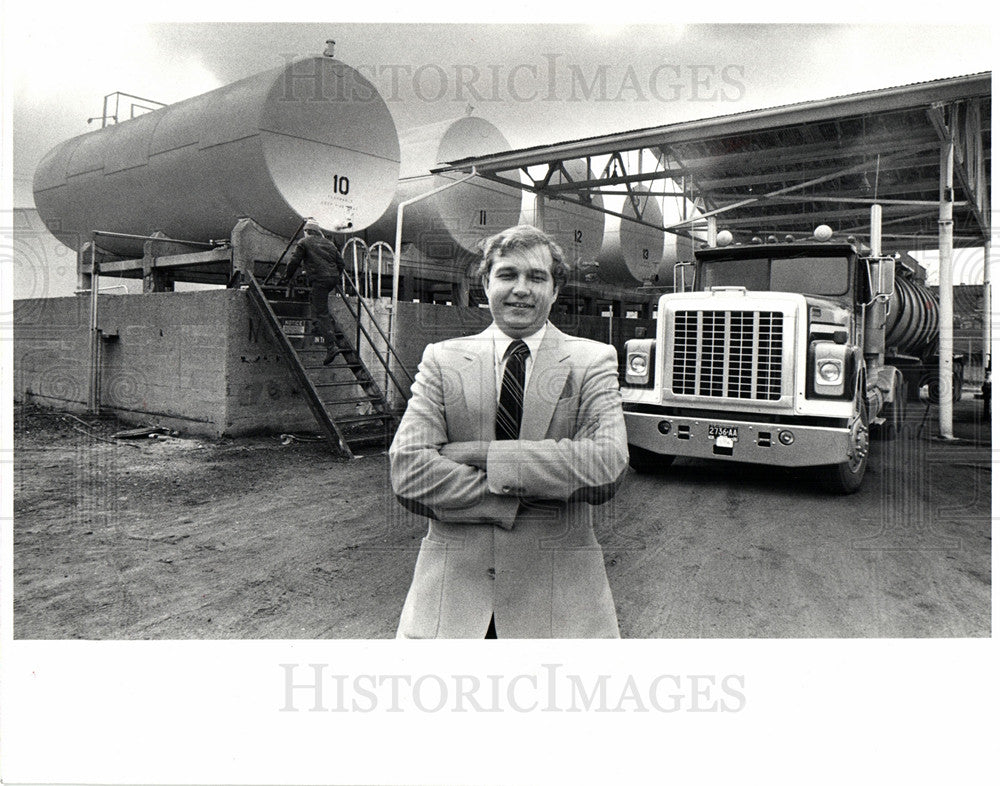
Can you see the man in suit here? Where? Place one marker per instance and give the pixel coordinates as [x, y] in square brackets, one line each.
[510, 550]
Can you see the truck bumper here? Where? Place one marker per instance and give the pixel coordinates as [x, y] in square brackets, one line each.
[737, 440]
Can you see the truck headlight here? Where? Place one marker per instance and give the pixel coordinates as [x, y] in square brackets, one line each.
[830, 371]
[639, 357]
[829, 367]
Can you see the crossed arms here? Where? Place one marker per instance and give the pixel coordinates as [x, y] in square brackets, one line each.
[483, 481]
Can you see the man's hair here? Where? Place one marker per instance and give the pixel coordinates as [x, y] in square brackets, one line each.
[522, 237]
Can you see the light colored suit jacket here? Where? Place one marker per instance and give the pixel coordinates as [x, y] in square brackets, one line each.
[516, 541]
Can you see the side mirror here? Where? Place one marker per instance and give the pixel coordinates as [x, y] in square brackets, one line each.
[683, 277]
[881, 278]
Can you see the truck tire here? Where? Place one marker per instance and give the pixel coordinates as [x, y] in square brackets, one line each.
[647, 462]
[846, 477]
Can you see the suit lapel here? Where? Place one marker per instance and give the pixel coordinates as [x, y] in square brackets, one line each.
[479, 384]
[548, 376]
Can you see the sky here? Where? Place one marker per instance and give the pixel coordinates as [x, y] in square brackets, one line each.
[537, 83]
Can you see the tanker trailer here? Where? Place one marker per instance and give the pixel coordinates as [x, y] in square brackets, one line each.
[310, 138]
[631, 252]
[911, 335]
[447, 226]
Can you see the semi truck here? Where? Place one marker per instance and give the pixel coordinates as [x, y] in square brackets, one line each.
[787, 353]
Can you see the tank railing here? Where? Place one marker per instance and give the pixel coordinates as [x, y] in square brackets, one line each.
[383, 248]
[353, 245]
[390, 351]
[113, 115]
[129, 236]
[369, 266]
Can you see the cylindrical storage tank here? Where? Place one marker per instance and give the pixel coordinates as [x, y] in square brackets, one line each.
[631, 252]
[577, 229]
[675, 247]
[912, 324]
[311, 138]
[449, 225]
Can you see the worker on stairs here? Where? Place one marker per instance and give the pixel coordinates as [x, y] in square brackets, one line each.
[323, 265]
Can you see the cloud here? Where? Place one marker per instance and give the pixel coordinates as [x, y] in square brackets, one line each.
[61, 73]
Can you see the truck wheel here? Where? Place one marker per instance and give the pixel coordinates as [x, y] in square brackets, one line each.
[894, 414]
[846, 477]
[646, 461]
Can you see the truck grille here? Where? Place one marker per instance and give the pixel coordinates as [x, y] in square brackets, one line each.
[728, 354]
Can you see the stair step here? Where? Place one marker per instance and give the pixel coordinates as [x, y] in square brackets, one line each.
[336, 384]
[335, 403]
[365, 418]
[289, 312]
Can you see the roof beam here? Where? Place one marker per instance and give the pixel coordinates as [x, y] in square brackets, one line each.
[798, 186]
[877, 101]
[777, 219]
[883, 163]
[563, 198]
[759, 160]
[856, 200]
[583, 185]
[946, 133]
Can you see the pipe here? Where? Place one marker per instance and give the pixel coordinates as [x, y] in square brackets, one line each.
[946, 330]
[876, 232]
[397, 249]
[987, 316]
[93, 394]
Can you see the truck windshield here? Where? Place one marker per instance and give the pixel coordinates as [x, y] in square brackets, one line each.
[805, 275]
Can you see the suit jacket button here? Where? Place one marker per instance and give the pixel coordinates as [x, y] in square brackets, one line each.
[492, 573]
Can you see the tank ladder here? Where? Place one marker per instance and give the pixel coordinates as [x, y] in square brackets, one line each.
[348, 404]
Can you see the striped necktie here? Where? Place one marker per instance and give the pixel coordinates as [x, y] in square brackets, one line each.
[508, 425]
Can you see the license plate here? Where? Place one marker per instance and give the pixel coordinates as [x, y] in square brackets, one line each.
[294, 327]
[730, 432]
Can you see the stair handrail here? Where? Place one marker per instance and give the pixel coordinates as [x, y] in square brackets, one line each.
[380, 246]
[282, 256]
[389, 348]
[334, 434]
[353, 244]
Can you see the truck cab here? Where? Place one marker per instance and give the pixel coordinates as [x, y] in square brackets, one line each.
[776, 355]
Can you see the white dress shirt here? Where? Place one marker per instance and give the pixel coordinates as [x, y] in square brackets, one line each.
[501, 341]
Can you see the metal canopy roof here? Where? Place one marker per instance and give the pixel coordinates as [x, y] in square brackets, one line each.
[788, 169]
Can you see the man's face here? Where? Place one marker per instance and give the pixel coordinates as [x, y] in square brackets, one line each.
[521, 291]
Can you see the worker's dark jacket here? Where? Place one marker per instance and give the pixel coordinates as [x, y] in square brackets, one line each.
[318, 256]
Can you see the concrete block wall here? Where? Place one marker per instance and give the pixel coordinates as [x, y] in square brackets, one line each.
[204, 362]
[200, 362]
[260, 392]
[51, 351]
[168, 360]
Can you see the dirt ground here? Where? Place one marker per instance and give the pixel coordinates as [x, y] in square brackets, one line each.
[180, 537]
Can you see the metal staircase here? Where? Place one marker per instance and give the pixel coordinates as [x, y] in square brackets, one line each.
[347, 402]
